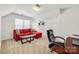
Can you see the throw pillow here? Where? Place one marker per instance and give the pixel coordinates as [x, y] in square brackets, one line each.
[17, 32]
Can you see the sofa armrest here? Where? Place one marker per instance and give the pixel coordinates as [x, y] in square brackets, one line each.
[15, 36]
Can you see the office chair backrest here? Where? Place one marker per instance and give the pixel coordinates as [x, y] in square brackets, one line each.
[50, 35]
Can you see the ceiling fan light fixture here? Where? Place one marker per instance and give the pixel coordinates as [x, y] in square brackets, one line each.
[36, 7]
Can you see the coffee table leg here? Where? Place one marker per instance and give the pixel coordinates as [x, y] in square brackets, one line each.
[21, 41]
[30, 40]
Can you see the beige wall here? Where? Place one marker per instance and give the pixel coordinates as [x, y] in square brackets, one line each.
[49, 21]
[67, 23]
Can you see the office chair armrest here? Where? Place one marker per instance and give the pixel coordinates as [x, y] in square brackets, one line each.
[58, 45]
[59, 37]
[76, 35]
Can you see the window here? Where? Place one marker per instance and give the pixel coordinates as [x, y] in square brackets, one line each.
[26, 24]
[20, 23]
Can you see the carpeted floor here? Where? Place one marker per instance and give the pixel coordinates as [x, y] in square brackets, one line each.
[38, 46]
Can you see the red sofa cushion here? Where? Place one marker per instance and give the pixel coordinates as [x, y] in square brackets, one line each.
[25, 30]
[22, 34]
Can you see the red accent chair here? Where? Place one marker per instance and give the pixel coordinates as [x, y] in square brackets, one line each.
[17, 33]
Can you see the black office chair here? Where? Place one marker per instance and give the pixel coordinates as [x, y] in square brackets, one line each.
[53, 39]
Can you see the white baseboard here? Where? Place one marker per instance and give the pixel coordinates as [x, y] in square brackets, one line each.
[7, 39]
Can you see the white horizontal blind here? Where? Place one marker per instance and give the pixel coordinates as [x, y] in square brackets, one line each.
[26, 24]
[22, 24]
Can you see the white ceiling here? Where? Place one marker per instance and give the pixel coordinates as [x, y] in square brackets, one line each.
[26, 9]
[44, 8]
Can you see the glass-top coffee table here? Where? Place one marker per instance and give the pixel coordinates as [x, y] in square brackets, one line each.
[28, 38]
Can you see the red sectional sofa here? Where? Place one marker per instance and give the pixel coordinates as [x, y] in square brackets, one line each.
[17, 33]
